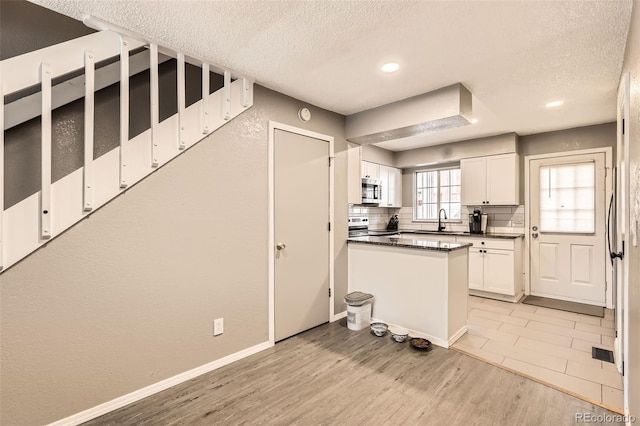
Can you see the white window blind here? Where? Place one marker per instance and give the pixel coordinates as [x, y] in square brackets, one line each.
[567, 198]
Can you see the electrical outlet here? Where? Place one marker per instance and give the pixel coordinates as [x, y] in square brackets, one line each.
[218, 326]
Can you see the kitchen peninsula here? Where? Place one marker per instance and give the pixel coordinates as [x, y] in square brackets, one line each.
[419, 284]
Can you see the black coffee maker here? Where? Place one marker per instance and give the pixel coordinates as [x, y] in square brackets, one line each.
[477, 222]
[393, 223]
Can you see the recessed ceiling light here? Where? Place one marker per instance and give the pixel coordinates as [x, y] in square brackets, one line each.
[390, 67]
[554, 104]
[474, 120]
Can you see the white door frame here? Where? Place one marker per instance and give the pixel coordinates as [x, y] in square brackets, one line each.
[624, 106]
[273, 126]
[608, 153]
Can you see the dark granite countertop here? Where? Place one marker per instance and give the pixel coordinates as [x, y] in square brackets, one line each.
[394, 241]
[452, 233]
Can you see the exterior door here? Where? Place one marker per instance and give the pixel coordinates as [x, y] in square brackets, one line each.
[301, 198]
[567, 226]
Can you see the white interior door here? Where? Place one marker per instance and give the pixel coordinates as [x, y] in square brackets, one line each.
[301, 199]
[567, 226]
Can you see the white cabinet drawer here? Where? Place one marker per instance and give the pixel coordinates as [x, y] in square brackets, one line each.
[488, 243]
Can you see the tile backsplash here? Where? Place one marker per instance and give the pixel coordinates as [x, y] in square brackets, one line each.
[378, 216]
[499, 219]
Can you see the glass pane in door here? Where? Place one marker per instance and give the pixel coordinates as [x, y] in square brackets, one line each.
[567, 198]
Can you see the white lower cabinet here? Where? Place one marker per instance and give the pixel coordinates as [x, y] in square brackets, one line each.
[498, 271]
[476, 269]
[495, 267]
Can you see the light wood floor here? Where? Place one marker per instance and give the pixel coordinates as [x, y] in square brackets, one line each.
[549, 345]
[332, 376]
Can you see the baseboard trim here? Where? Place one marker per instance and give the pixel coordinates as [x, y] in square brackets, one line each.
[457, 335]
[413, 333]
[339, 316]
[120, 402]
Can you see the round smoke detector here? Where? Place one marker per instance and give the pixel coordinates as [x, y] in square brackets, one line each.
[304, 114]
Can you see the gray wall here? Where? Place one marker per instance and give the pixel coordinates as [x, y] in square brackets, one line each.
[378, 155]
[587, 137]
[632, 65]
[568, 140]
[127, 297]
[25, 27]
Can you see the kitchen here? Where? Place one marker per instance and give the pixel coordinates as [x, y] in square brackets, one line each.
[501, 279]
[127, 279]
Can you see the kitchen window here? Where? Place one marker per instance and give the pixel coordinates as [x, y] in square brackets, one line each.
[434, 190]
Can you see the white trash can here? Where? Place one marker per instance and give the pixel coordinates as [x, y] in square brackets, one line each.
[358, 310]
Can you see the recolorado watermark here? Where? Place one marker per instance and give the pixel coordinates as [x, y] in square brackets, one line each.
[604, 418]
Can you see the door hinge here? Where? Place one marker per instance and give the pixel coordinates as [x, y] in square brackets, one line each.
[331, 159]
[623, 126]
[329, 292]
[623, 368]
[329, 226]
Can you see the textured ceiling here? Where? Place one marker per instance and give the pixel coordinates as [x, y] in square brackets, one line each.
[513, 56]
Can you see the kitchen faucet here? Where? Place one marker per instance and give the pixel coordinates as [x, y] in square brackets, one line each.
[441, 225]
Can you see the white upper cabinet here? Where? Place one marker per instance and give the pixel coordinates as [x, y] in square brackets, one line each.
[473, 173]
[390, 178]
[493, 180]
[354, 176]
[391, 186]
[503, 179]
[370, 170]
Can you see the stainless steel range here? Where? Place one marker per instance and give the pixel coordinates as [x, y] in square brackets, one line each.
[358, 226]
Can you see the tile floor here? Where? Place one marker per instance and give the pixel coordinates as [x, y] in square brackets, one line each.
[551, 346]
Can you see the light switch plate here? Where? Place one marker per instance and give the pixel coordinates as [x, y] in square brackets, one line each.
[218, 326]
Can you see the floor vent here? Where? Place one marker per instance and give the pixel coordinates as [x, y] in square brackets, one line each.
[602, 354]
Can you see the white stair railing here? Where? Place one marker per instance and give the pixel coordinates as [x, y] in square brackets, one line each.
[32, 222]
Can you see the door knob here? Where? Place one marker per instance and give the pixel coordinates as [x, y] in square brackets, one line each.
[534, 234]
[281, 246]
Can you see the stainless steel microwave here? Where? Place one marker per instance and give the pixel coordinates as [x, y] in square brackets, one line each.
[371, 191]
